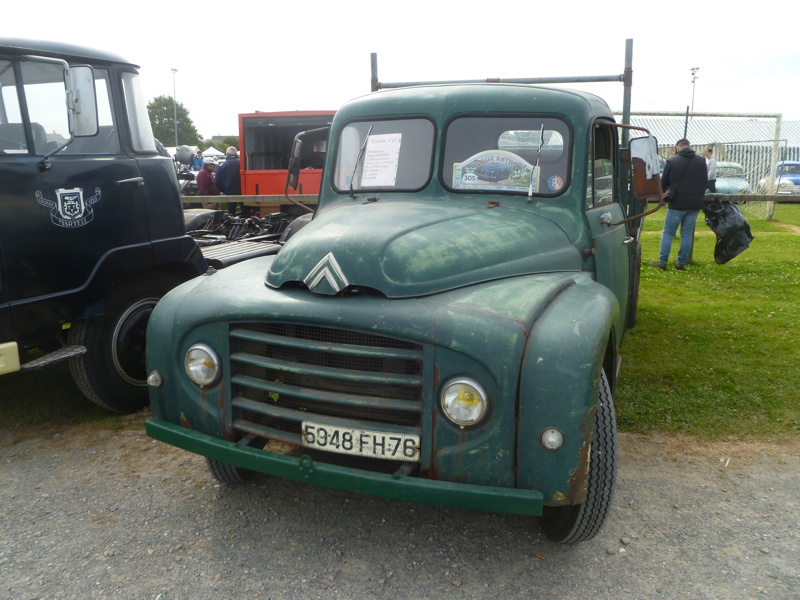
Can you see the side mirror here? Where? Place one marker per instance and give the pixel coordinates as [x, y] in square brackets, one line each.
[293, 175]
[645, 172]
[82, 102]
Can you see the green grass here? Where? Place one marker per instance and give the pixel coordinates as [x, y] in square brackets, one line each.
[716, 350]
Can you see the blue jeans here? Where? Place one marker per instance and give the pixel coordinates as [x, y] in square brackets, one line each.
[686, 219]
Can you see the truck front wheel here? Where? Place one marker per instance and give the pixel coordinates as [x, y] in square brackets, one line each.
[227, 473]
[580, 522]
[112, 373]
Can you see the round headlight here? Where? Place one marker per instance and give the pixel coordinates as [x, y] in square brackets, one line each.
[464, 401]
[202, 365]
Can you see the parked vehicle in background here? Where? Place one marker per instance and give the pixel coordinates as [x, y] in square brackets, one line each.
[92, 231]
[731, 179]
[266, 142]
[787, 179]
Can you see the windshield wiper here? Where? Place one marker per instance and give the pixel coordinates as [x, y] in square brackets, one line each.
[358, 160]
[533, 169]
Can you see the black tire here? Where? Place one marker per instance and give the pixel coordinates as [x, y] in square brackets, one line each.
[227, 473]
[581, 522]
[112, 373]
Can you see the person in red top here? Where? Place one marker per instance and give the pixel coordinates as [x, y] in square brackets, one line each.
[205, 180]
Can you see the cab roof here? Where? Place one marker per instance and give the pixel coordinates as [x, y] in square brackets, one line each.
[445, 100]
[62, 50]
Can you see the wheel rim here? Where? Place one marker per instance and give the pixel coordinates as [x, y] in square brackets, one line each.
[128, 342]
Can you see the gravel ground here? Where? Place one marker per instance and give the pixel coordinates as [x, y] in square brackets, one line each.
[94, 512]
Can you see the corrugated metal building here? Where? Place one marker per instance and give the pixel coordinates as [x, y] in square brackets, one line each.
[756, 142]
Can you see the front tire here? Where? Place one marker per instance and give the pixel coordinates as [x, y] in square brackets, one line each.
[112, 373]
[581, 522]
[227, 473]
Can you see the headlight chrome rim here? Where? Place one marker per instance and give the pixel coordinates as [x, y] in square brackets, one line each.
[456, 406]
[202, 365]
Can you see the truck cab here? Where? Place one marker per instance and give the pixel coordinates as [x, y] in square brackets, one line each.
[446, 329]
[91, 223]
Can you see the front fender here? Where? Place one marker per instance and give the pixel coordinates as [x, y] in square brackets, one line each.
[558, 388]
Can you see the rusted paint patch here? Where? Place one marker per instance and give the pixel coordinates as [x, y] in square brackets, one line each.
[578, 479]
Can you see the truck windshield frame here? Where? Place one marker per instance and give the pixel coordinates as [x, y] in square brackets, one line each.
[511, 154]
[397, 156]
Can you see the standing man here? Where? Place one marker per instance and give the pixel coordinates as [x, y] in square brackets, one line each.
[711, 163]
[684, 183]
[229, 181]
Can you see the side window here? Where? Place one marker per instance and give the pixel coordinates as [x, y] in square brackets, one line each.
[600, 189]
[12, 134]
[138, 119]
[44, 93]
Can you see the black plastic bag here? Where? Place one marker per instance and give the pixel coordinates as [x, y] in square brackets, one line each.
[732, 229]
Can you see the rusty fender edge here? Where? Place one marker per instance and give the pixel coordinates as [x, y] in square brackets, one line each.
[427, 491]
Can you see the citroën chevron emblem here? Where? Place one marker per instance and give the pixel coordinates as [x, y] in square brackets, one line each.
[328, 270]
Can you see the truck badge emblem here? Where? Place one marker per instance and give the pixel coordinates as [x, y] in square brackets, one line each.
[71, 209]
[328, 270]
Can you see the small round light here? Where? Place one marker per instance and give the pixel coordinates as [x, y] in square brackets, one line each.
[552, 438]
[155, 379]
[464, 401]
[202, 365]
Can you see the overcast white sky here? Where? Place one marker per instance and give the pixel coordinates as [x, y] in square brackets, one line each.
[246, 56]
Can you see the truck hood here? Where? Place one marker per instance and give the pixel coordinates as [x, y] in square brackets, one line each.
[405, 249]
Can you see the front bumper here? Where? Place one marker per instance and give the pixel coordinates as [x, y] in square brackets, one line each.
[397, 487]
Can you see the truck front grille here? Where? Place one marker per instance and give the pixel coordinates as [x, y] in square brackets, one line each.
[284, 374]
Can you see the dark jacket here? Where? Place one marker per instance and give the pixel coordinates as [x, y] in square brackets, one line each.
[686, 173]
[228, 180]
[205, 183]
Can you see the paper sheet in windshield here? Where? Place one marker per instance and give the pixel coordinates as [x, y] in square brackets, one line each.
[380, 160]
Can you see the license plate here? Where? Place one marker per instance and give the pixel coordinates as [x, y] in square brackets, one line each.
[361, 442]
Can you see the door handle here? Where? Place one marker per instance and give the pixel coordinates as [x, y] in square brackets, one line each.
[138, 181]
[628, 240]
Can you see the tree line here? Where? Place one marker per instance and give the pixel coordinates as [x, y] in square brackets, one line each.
[162, 112]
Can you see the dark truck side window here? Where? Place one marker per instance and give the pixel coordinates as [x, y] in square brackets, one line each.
[511, 154]
[44, 93]
[384, 155]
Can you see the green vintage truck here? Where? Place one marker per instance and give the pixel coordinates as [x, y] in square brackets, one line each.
[447, 327]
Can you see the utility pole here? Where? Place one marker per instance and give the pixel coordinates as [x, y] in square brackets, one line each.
[694, 71]
[174, 108]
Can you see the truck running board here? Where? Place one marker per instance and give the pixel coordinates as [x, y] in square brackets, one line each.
[54, 357]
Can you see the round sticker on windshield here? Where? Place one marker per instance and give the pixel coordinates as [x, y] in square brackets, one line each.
[555, 183]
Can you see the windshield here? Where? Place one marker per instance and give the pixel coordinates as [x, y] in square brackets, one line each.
[525, 155]
[384, 155]
[789, 169]
[731, 171]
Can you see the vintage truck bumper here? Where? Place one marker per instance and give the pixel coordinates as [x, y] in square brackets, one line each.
[398, 487]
